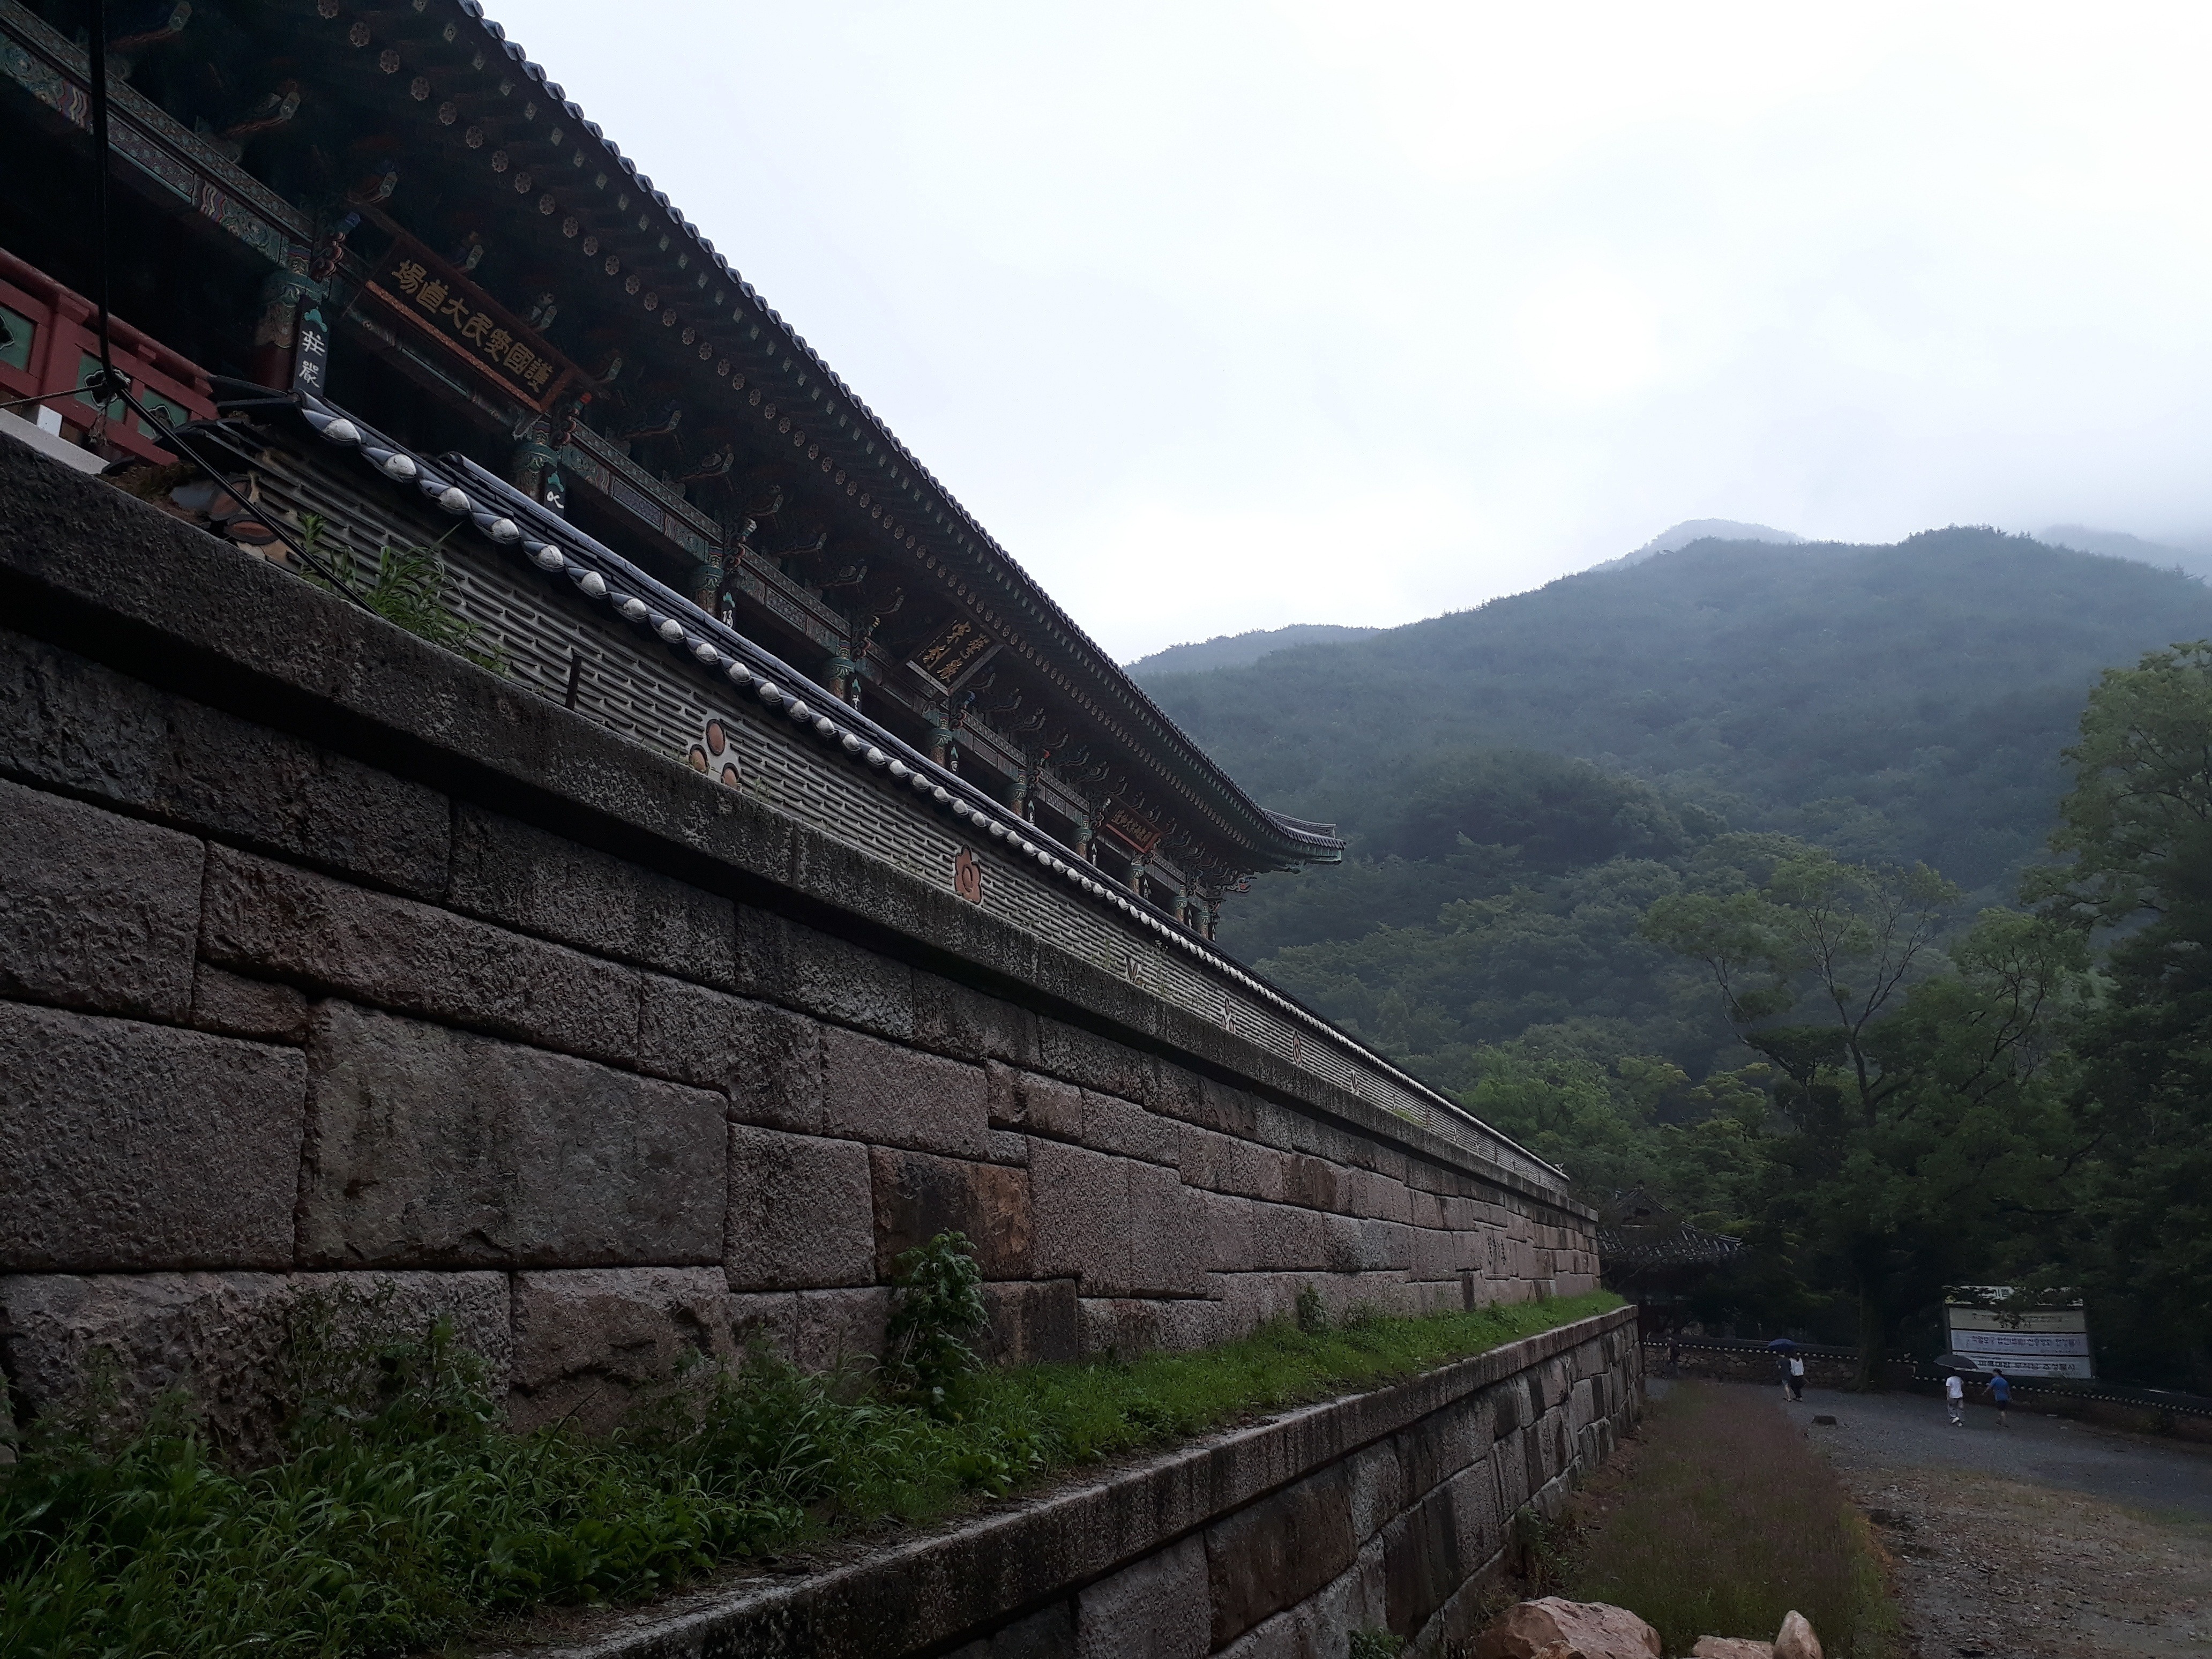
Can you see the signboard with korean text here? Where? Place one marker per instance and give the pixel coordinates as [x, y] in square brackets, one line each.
[439, 302]
[2000, 1329]
[1132, 828]
[959, 649]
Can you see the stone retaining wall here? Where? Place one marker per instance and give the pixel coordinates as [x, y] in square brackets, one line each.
[1384, 1512]
[329, 961]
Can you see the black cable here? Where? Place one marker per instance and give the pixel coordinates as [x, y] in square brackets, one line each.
[104, 389]
[175, 440]
[108, 387]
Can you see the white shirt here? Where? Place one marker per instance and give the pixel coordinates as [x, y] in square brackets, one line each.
[1953, 1388]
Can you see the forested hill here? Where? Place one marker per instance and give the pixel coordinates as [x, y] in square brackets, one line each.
[1894, 702]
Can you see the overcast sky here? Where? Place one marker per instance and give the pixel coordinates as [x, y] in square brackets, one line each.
[1223, 317]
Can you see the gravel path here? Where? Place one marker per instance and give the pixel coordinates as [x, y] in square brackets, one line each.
[2165, 1477]
[2044, 1539]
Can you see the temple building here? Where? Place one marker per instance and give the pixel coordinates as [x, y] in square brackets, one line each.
[394, 315]
[373, 254]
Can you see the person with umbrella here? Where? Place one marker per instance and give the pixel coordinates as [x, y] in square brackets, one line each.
[1793, 1367]
[1954, 1389]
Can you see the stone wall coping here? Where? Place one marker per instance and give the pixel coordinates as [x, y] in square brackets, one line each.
[94, 570]
[911, 1595]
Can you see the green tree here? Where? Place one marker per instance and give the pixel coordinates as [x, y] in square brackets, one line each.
[2138, 824]
[1923, 1104]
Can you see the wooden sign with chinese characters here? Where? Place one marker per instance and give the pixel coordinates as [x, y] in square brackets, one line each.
[1129, 828]
[452, 311]
[957, 652]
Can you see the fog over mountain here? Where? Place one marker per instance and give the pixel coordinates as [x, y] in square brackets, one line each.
[1699, 530]
[1235, 650]
[2194, 556]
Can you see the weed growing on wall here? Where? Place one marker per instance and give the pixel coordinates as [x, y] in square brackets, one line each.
[402, 1516]
[408, 589]
[938, 1304]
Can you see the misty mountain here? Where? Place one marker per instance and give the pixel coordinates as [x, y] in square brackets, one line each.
[2118, 545]
[1903, 701]
[1235, 650]
[1518, 781]
[1699, 530]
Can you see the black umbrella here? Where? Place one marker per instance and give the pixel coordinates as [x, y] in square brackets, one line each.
[1956, 1362]
[1781, 1344]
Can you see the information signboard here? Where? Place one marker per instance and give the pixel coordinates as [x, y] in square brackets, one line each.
[1998, 1328]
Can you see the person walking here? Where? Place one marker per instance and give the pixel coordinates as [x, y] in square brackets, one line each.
[2000, 1395]
[1955, 1399]
[1796, 1376]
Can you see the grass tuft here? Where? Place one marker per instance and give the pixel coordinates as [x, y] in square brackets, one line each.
[1727, 1521]
[402, 1516]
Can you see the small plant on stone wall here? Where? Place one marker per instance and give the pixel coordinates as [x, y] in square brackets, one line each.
[1375, 1644]
[1546, 1549]
[409, 589]
[938, 1304]
[1313, 1317]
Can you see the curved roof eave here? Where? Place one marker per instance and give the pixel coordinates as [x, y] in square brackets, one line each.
[1271, 834]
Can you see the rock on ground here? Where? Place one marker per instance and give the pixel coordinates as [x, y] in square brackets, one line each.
[1797, 1640]
[1557, 1629]
[1731, 1647]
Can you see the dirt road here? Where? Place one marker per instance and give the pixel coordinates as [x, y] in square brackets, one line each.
[2044, 1539]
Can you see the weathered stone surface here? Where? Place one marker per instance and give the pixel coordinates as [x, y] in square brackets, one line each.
[1311, 1181]
[1231, 1243]
[801, 1212]
[954, 1020]
[1377, 1490]
[1156, 1609]
[1440, 1447]
[1167, 1231]
[1422, 1566]
[132, 1147]
[64, 722]
[1049, 1633]
[1224, 1164]
[770, 1317]
[1114, 1125]
[257, 1008]
[429, 1147]
[589, 1344]
[1796, 1639]
[818, 974]
[1033, 1321]
[1086, 1058]
[96, 911]
[841, 1327]
[271, 919]
[918, 1196]
[1033, 1103]
[888, 1095]
[1290, 1239]
[1557, 1629]
[1079, 1203]
[1278, 1551]
[766, 1059]
[526, 877]
[1319, 1627]
[222, 1337]
[1731, 1647]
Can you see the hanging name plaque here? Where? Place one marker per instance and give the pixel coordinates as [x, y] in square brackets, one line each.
[439, 302]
